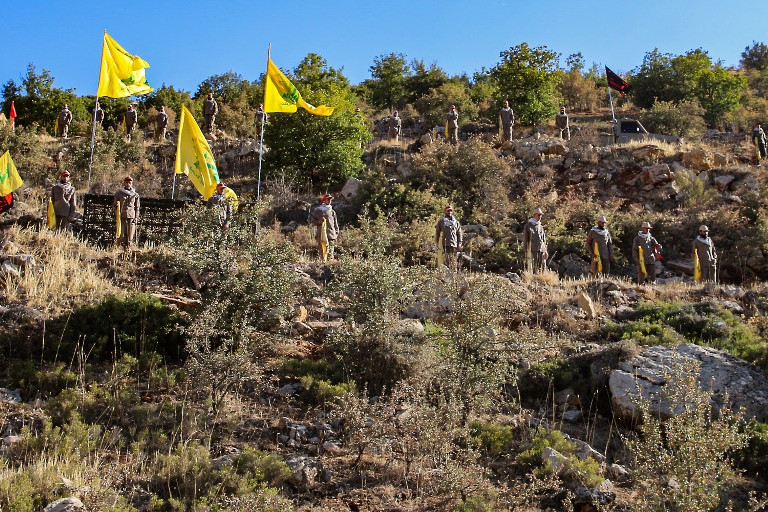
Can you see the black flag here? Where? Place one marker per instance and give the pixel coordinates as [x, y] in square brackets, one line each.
[615, 82]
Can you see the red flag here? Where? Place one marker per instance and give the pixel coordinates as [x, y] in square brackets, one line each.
[13, 115]
[615, 82]
[6, 202]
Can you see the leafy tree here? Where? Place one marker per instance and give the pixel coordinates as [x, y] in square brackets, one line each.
[390, 75]
[685, 118]
[719, 93]
[323, 150]
[527, 77]
[755, 57]
[424, 79]
[226, 87]
[579, 91]
[168, 96]
[436, 103]
[666, 77]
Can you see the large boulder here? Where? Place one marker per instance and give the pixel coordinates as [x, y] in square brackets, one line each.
[351, 188]
[646, 376]
[699, 159]
[65, 505]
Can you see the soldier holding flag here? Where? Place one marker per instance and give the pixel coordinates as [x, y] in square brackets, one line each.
[535, 242]
[600, 247]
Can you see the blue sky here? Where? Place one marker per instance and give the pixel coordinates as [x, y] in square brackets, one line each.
[185, 42]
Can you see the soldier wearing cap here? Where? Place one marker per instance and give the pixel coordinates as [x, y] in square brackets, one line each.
[65, 118]
[650, 247]
[449, 237]
[324, 212]
[760, 141]
[210, 109]
[452, 125]
[64, 201]
[128, 200]
[395, 126]
[507, 120]
[223, 207]
[131, 120]
[603, 256]
[704, 250]
[98, 114]
[162, 123]
[561, 121]
[535, 242]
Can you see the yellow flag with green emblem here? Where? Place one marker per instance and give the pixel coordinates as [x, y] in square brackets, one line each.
[9, 176]
[194, 156]
[122, 74]
[281, 96]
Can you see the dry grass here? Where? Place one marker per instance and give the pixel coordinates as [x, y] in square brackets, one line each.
[65, 272]
[669, 148]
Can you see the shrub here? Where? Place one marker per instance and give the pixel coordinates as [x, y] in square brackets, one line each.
[582, 472]
[495, 440]
[131, 324]
[683, 119]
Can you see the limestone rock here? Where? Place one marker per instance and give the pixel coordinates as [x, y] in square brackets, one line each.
[648, 153]
[585, 500]
[699, 159]
[722, 182]
[10, 395]
[306, 470]
[573, 266]
[555, 458]
[585, 303]
[70, 504]
[644, 377]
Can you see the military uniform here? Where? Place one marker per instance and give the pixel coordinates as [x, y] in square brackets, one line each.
[535, 241]
[131, 119]
[507, 118]
[98, 115]
[760, 140]
[65, 118]
[210, 109]
[64, 203]
[648, 243]
[223, 208]
[162, 124]
[129, 202]
[704, 249]
[453, 127]
[561, 121]
[602, 237]
[395, 126]
[325, 212]
[453, 238]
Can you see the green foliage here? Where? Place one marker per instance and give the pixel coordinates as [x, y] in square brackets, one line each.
[755, 56]
[324, 151]
[576, 471]
[131, 324]
[481, 503]
[690, 448]
[753, 457]
[322, 392]
[424, 79]
[28, 152]
[527, 77]
[495, 440]
[398, 201]
[48, 381]
[683, 119]
[719, 91]
[544, 376]
[434, 105]
[704, 323]
[390, 75]
[579, 91]
[169, 97]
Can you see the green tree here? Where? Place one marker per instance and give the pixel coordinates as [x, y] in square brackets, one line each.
[434, 105]
[390, 75]
[424, 79]
[755, 56]
[527, 77]
[665, 77]
[322, 150]
[168, 96]
[719, 92]
[227, 87]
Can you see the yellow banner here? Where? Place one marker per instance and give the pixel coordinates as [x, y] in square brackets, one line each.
[118, 223]
[232, 197]
[194, 156]
[9, 176]
[596, 258]
[281, 96]
[50, 215]
[323, 241]
[122, 74]
[696, 266]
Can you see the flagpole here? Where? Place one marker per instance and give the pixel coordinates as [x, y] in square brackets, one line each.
[93, 127]
[610, 98]
[261, 139]
[173, 187]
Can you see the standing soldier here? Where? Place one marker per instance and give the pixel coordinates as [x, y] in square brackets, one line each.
[448, 238]
[162, 124]
[65, 118]
[647, 246]
[561, 121]
[600, 248]
[262, 116]
[131, 119]
[98, 114]
[535, 242]
[127, 206]
[222, 205]
[507, 121]
[452, 126]
[704, 256]
[64, 201]
[210, 109]
[395, 126]
[760, 141]
[324, 218]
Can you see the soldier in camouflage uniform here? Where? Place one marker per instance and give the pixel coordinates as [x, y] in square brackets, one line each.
[650, 246]
[64, 201]
[162, 124]
[452, 119]
[507, 121]
[210, 109]
[535, 241]
[131, 120]
[65, 118]
[704, 250]
[599, 235]
[449, 237]
[129, 202]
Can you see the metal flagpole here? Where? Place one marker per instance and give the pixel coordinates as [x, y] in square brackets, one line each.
[261, 141]
[613, 114]
[173, 187]
[93, 128]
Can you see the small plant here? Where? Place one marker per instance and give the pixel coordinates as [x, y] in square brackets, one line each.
[574, 470]
[495, 440]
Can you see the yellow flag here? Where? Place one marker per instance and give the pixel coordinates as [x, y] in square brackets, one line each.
[118, 224]
[696, 266]
[641, 259]
[232, 197]
[50, 215]
[323, 241]
[281, 96]
[9, 176]
[122, 74]
[194, 156]
[440, 255]
[596, 258]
